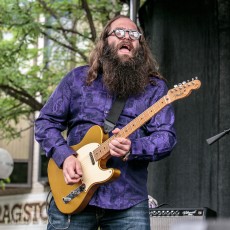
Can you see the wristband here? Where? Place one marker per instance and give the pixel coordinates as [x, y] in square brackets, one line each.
[126, 156]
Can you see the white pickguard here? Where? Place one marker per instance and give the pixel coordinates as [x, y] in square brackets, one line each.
[92, 173]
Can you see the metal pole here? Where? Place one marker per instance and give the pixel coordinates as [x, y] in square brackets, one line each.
[134, 6]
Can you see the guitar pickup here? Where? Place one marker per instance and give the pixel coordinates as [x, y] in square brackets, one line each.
[73, 194]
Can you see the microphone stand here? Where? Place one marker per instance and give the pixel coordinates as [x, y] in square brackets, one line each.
[215, 138]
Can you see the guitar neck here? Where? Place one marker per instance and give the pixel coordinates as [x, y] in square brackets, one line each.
[103, 150]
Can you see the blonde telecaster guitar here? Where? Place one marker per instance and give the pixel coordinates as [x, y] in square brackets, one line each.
[93, 153]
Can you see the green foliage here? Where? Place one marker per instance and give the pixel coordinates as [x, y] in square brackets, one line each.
[40, 41]
[3, 183]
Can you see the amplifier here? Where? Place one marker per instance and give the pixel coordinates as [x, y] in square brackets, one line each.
[163, 218]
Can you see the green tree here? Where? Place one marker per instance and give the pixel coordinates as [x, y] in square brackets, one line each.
[40, 41]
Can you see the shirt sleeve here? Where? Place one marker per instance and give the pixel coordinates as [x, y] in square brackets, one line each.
[160, 136]
[52, 121]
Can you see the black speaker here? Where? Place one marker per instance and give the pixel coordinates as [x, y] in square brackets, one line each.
[211, 224]
[163, 218]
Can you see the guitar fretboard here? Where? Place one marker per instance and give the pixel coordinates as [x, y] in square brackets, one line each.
[103, 150]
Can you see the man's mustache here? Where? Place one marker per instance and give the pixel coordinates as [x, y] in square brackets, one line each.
[125, 44]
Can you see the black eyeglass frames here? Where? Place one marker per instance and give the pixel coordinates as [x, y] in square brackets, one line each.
[120, 33]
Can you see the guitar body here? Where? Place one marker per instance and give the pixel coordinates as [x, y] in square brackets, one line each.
[94, 174]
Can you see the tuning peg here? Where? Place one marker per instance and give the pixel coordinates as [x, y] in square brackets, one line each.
[175, 86]
[196, 78]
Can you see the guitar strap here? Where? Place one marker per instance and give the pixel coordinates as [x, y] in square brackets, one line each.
[114, 114]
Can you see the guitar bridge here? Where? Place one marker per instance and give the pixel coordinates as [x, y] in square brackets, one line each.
[73, 194]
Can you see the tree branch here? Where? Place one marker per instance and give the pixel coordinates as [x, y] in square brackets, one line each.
[52, 13]
[85, 6]
[22, 96]
[84, 57]
[66, 30]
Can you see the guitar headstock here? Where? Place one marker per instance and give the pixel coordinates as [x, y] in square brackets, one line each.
[183, 89]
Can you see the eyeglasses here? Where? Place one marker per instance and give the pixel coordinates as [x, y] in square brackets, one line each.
[120, 33]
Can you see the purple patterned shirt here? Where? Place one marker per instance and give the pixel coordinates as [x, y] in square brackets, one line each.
[77, 107]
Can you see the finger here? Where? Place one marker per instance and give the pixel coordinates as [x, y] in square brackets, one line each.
[72, 180]
[69, 171]
[123, 141]
[117, 152]
[120, 144]
[79, 169]
[115, 131]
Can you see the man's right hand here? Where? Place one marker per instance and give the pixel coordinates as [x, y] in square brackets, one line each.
[72, 170]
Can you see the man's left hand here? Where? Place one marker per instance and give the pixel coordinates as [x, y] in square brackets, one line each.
[119, 146]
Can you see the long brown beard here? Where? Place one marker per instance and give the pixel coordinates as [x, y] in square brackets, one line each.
[124, 76]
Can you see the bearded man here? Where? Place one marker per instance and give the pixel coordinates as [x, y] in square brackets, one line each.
[120, 66]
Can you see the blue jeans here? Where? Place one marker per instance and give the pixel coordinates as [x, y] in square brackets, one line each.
[91, 218]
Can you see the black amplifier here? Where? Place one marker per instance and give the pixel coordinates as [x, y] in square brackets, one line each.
[163, 218]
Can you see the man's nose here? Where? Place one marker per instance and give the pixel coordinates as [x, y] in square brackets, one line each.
[127, 35]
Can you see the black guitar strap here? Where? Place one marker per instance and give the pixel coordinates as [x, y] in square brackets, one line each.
[114, 114]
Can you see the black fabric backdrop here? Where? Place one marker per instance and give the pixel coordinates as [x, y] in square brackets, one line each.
[192, 38]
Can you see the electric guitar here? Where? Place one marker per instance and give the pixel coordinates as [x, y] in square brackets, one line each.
[93, 153]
